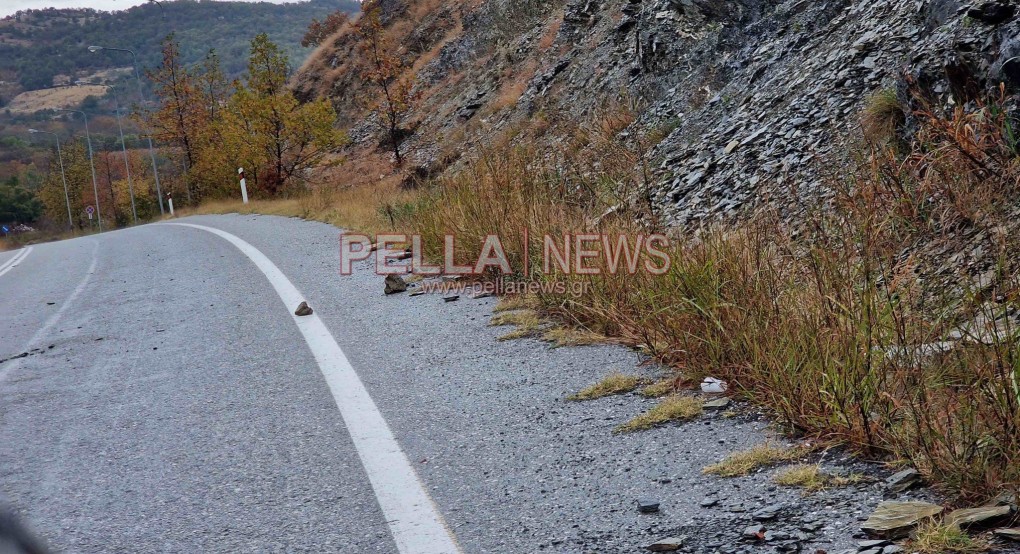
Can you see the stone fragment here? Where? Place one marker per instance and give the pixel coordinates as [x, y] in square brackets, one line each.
[754, 532]
[1011, 533]
[903, 480]
[668, 544]
[893, 520]
[732, 146]
[977, 517]
[708, 502]
[646, 506]
[717, 404]
[767, 513]
[394, 284]
[451, 298]
[303, 309]
[867, 545]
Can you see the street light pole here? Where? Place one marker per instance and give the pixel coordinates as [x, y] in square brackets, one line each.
[127, 164]
[92, 164]
[141, 96]
[60, 159]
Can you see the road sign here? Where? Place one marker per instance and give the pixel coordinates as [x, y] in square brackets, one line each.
[6, 230]
[90, 210]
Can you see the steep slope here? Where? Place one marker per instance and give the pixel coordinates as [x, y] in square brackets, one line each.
[747, 96]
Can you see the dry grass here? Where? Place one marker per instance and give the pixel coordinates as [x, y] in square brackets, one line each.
[616, 383]
[812, 478]
[882, 117]
[54, 98]
[567, 336]
[517, 302]
[798, 320]
[659, 389]
[527, 323]
[743, 463]
[672, 408]
[935, 537]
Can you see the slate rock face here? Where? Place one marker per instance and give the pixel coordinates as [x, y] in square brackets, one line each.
[756, 94]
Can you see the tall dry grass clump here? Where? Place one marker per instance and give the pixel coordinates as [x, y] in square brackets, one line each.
[847, 324]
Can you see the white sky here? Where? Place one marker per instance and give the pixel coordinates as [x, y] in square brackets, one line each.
[8, 7]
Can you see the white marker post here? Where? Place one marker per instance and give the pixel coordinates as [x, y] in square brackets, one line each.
[170, 202]
[244, 185]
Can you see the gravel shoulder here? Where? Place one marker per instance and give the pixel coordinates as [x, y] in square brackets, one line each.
[512, 464]
[180, 410]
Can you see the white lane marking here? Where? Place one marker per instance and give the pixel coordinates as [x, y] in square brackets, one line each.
[53, 319]
[13, 262]
[413, 518]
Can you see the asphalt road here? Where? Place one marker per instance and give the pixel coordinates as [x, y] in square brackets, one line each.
[170, 403]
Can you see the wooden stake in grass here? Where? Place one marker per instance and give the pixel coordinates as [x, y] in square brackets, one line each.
[673, 408]
[616, 383]
[743, 463]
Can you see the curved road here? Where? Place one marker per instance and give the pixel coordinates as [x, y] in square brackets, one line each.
[170, 402]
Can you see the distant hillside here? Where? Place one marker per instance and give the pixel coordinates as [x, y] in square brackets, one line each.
[37, 46]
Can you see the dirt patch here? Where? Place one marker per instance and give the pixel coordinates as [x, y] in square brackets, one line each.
[54, 98]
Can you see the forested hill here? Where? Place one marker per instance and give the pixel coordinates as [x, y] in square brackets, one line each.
[37, 45]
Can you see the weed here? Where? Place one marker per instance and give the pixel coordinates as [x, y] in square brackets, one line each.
[659, 388]
[743, 463]
[811, 478]
[935, 537]
[526, 321]
[882, 117]
[566, 336]
[672, 408]
[615, 383]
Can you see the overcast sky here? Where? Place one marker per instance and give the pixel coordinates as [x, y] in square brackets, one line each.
[8, 7]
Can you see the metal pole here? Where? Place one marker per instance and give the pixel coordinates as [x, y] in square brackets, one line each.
[141, 96]
[95, 183]
[152, 152]
[67, 198]
[60, 160]
[92, 164]
[127, 164]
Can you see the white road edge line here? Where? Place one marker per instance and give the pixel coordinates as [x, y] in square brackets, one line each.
[413, 518]
[13, 262]
[53, 319]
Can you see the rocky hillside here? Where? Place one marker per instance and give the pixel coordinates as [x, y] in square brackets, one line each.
[747, 97]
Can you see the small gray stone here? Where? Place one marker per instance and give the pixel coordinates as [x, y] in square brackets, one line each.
[709, 502]
[717, 404]
[668, 544]
[754, 532]
[903, 480]
[646, 506]
[767, 513]
[451, 298]
[893, 549]
[866, 545]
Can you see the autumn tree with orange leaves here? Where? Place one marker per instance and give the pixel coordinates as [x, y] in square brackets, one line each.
[387, 72]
